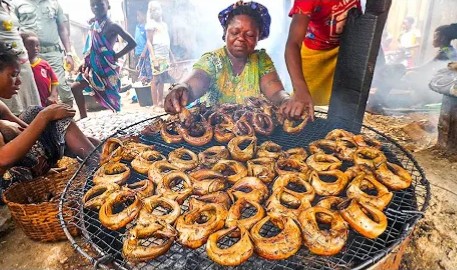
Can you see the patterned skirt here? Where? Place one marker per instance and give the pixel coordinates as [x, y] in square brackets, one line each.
[43, 155]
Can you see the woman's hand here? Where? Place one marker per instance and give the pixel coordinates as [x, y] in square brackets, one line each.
[56, 112]
[294, 107]
[177, 99]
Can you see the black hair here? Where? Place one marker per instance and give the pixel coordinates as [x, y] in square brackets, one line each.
[8, 56]
[449, 31]
[26, 34]
[248, 11]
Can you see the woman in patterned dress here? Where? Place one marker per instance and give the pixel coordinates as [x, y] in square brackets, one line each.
[237, 70]
[31, 144]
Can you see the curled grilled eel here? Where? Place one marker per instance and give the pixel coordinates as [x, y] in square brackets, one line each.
[262, 124]
[338, 182]
[135, 252]
[119, 220]
[297, 153]
[220, 197]
[303, 189]
[284, 203]
[234, 217]
[322, 146]
[366, 189]
[143, 188]
[242, 154]
[97, 195]
[369, 156]
[150, 214]
[178, 158]
[169, 133]
[251, 188]
[291, 127]
[170, 187]
[112, 150]
[364, 218]
[159, 169]
[281, 246]
[324, 242]
[143, 162]
[337, 134]
[234, 255]
[393, 176]
[112, 172]
[197, 140]
[212, 155]
[196, 226]
[323, 162]
[270, 149]
[232, 169]
[132, 149]
[262, 168]
[331, 203]
[291, 165]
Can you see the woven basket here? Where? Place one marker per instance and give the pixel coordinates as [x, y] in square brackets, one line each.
[34, 205]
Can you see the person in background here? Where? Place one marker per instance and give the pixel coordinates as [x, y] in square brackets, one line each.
[47, 20]
[159, 51]
[45, 78]
[415, 79]
[100, 73]
[409, 40]
[142, 62]
[30, 145]
[9, 34]
[312, 49]
[237, 70]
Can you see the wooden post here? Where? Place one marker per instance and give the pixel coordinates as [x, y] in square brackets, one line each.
[447, 125]
[359, 49]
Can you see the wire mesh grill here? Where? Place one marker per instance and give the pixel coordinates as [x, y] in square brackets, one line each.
[405, 209]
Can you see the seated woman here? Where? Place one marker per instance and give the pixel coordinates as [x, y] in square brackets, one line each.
[32, 144]
[236, 71]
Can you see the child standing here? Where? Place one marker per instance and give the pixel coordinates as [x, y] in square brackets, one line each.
[45, 78]
[100, 73]
[158, 43]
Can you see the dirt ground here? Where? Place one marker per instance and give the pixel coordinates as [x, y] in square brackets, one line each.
[434, 241]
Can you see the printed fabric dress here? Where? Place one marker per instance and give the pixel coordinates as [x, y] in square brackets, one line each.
[43, 155]
[227, 87]
[104, 82]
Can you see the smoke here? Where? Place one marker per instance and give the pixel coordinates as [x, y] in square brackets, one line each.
[406, 77]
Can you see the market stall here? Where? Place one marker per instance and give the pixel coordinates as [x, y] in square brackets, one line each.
[238, 185]
[404, 207]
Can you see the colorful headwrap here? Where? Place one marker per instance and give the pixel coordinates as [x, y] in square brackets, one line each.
[261, 9]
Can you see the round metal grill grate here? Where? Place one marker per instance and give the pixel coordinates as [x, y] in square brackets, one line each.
[405, 209]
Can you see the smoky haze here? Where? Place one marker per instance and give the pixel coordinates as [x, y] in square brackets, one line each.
[410, 74]
[195, 29]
